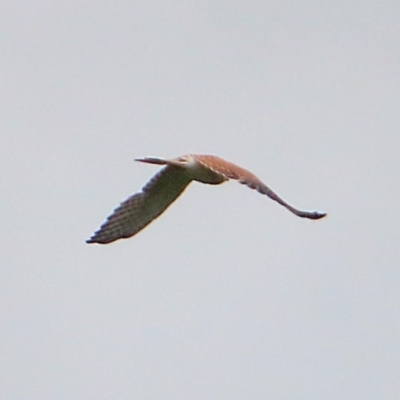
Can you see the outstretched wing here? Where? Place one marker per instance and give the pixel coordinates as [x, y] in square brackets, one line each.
[140, 209]
[232, 171]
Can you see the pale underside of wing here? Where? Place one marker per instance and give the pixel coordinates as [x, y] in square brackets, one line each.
[140, 209]
[232, 171]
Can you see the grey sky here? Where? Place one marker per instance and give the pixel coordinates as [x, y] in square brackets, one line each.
[227, 295]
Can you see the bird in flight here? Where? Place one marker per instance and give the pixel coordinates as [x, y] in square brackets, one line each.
[138, 210]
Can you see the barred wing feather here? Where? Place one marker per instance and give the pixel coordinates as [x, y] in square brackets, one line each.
[137, 211]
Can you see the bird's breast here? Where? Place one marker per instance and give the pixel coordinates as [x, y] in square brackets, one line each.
[201, 173]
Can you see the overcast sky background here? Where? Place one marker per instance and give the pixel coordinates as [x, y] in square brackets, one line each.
[227, 295]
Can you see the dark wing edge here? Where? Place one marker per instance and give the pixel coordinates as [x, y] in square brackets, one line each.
[140, 209]
[264, 189]
[245, 177]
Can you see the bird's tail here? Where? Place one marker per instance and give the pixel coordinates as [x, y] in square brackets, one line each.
[152, 160]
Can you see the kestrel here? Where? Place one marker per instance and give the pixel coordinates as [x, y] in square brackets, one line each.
[138, 210]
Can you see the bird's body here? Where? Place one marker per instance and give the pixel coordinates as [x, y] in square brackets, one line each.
[164, 188]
